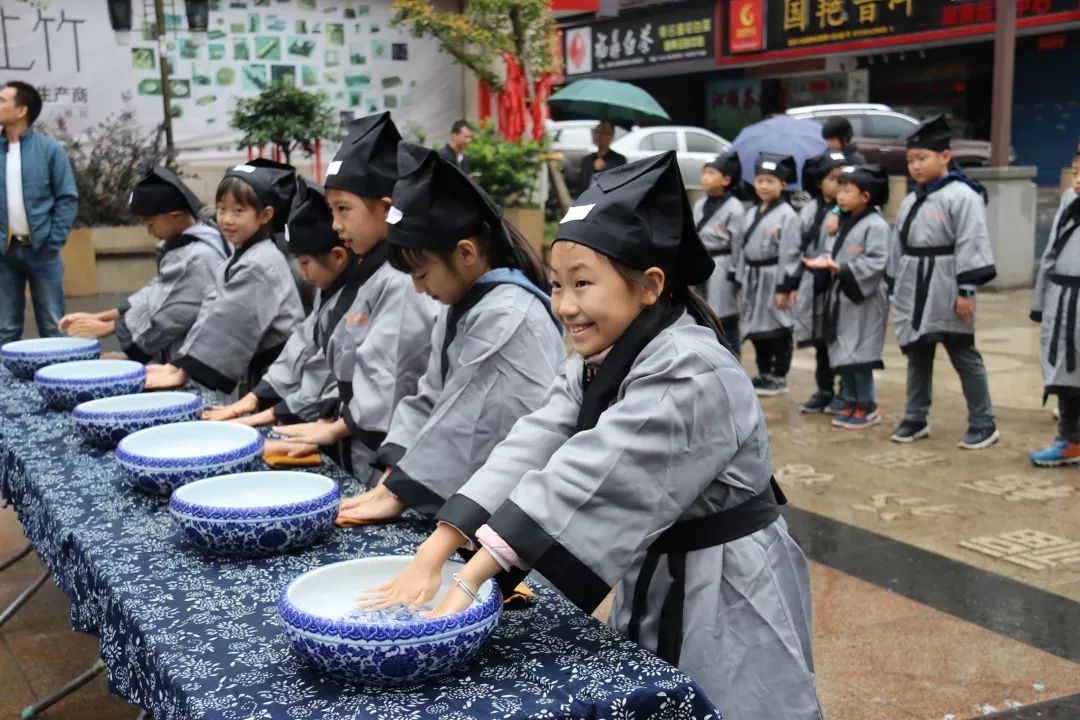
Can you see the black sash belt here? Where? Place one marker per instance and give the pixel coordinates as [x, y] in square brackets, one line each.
[1065, 315]
[744, 519]
[765, 262]
[933, 251]
[719, 253]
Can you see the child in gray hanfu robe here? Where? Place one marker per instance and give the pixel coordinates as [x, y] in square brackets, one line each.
[940, 254]
[1054, 307]
[251, 310]
[152, 324]
[718, 219]
[820, 178]
[647, 468]
[856, 300]
[769, 272]
[495, 348]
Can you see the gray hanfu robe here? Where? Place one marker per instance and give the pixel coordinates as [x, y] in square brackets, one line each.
[722, 235]
[503, 353]
[377, 355]
[245, 319]
[857, 304]
[809, 312]
[155, 320]
[1054, 304]
[684, 438]
[770, 264]
[936, 248]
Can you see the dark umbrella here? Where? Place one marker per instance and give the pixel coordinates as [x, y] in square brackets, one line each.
[608, 100]
[779, 134]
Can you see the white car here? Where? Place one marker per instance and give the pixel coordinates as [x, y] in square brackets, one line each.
[695, 146]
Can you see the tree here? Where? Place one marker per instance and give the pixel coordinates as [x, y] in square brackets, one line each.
[285, 116]
[478, 37]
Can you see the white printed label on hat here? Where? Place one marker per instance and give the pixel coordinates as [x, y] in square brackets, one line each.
[131, 198]
[837, 156]
[333, 167]
[394, 216]
[768, 165]
[244, 169]
[849, 169]
[287, 238]
[578, 212]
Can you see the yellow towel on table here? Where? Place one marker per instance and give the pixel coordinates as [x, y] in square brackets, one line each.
[282, 460]
[520, 596]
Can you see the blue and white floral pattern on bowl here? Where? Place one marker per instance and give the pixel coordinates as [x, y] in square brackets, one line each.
[65, 385]
[256, 513]
[107, 421]
[382, 648]
[163, 458]
[25, 357]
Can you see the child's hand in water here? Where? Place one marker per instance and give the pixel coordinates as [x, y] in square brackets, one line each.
[415, 586]
[372, 506]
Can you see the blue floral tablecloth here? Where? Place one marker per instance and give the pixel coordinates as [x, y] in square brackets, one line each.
[186, 635]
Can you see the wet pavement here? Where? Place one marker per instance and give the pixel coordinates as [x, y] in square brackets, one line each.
[946, 582]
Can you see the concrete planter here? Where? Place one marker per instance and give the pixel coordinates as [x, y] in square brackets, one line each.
[1010, 218]
[530, 223]
[114, 259]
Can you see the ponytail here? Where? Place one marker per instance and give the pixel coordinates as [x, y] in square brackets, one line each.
[522, 256]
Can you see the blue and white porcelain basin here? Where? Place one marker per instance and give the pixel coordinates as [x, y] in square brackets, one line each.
[25, 357]
[67, 384]
[162, 458]
[256, 513]
[390, 647]
[107, 421]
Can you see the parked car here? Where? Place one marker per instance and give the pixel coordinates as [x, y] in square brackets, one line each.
[880, 134]
[573, 139]
[695, 146]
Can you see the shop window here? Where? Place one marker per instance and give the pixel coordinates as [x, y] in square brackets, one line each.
[886, 127]
[660, 142]
[699, 143]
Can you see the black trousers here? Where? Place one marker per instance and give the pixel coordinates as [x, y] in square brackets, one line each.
[823, 373]
[1069, 418]
[773, 355]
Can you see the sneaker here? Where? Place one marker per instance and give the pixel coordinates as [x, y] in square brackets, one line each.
[857, 419]
[771, 385]
[909, 431]
[837, 406]
[756, 381]
[818, 402]
[979, 438]
[1058, 454]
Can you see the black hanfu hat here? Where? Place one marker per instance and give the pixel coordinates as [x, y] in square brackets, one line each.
[435, 204]
[310, 230]
[728, 164]
[870, 178]
[782, 166]
[638, 214]
[159, 191]
[367, 162]
[273, 182]
[934, 134]
[818, 167]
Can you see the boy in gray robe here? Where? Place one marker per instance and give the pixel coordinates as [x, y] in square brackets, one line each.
[152, 324]
[1054, 304]
[718, 219]
[940, 255]
[769, 272]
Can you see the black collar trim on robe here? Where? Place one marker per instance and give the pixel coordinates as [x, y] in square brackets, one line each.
[759, 215]
[252, 242]
[813, 233]
[600, 392]
[349, 283]
[847, 224]
[921, 194]
[457, 311]
[1067, 223]
[712, 204]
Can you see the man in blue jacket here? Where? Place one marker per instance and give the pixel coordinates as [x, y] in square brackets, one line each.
[38, 208]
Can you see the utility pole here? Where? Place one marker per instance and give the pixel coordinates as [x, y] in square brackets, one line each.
[166, 93]
[1004, 67]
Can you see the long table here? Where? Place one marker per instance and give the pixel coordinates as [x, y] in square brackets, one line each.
[189, 635]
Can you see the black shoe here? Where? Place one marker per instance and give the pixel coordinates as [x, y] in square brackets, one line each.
[817, 402]
[909, 431]
[979, 438]
[756, 381]
[771, 385]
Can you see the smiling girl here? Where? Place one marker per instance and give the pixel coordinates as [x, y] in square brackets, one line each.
[247, 317]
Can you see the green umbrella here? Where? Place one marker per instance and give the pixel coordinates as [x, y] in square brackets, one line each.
[609, 100]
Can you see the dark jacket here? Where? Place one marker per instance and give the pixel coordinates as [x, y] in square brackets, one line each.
[49, 192]
[447, 153]
[611, 159]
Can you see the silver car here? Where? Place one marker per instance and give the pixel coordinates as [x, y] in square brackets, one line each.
[694, 146]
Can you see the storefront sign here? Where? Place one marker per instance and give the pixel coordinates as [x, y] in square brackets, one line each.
[747, 25]
[790, 25]
[665, 36]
